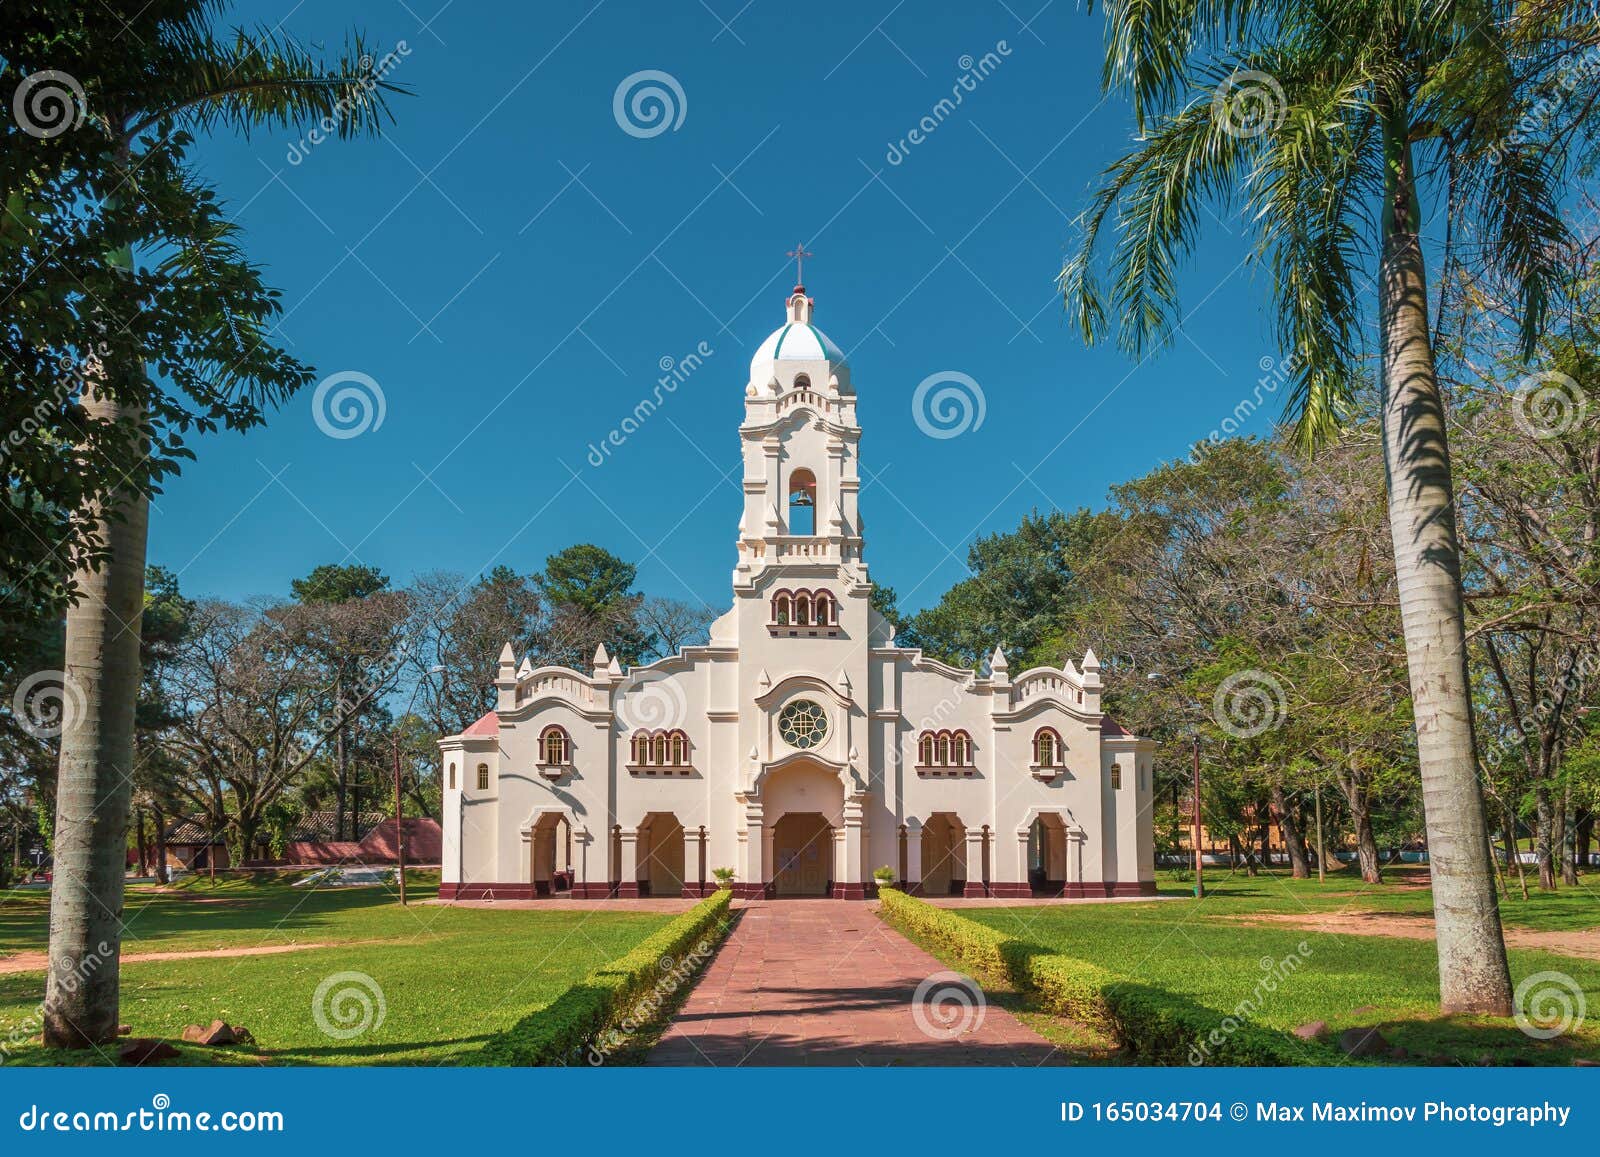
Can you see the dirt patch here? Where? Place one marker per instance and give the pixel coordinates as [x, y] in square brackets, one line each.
[38, 961]
[1585, 944]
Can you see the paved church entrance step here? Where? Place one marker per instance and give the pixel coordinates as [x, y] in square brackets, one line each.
[824, 982]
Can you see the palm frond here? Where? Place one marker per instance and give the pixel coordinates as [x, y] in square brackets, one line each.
[1311, 194]
[1149, 44]
[262, 78]
[1527, 244]
[1158, 193]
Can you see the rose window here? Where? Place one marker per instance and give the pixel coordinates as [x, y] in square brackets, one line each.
[803, 724]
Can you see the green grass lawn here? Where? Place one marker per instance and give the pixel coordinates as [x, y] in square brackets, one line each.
[449, 976]
[1205, 952]
[1567, 909]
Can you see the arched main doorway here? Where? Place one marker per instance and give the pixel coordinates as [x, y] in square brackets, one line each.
[804, 804]
[944, 855]
[802, 853]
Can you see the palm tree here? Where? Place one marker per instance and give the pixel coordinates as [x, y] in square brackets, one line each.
[1316, 117]
[162, 77]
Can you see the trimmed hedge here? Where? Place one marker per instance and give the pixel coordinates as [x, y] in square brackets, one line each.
[561, 1031]
[1153, 1025]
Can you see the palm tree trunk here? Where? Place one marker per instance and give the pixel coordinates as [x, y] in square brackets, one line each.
[95, 785]
[1473, 976]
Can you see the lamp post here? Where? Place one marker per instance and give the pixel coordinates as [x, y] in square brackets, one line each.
[1199, 860]
[399, 821]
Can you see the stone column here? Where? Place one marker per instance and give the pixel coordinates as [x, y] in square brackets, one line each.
[750, 872]
[1022, 862]
[841, 863]
[628, 884]
[974, 864]
[769, 863]
[693, 880]
[855, 851]
[913, 881]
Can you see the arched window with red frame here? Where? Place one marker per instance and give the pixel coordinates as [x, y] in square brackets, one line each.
[782, 608]
[961, 749]
[826, 616]
[554, 745]
[925, 749]
[1047, 747]
[802, 609]
[680, 749]
[941, 749]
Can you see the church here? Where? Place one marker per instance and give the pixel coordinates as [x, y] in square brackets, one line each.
[799, 748]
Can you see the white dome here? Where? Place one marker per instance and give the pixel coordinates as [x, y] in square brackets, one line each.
[797, 341]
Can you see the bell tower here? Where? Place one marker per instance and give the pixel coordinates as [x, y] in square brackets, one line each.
[800, 443]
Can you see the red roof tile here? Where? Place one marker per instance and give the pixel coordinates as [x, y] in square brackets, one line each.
[1109, 726]
[488, 725]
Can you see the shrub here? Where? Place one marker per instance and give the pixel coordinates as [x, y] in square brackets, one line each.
[558, 1033]
[723, 877]
[1153, 1025]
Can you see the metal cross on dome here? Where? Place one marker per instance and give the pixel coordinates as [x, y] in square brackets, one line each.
[800, 254]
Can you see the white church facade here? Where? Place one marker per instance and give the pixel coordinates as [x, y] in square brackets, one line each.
[800, 747]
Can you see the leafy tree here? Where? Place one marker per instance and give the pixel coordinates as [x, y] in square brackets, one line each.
[1022, 585]
[1321, 115]
[591, 602]
[357, 645]
[117, 256]
[457, 630]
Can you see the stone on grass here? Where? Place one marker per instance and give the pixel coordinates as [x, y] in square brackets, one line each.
[124, 1030]
[1362, 1042]
[1314, 1030]
[216, 1033]
[144, 1050]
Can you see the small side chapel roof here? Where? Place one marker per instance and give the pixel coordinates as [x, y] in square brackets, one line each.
[1109, 726]
[488, 725]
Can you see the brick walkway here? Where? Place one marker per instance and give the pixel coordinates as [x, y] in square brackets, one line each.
[825, 982]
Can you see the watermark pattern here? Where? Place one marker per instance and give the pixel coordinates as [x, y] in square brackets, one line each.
[348, 1004]
[1570, 78]
[1273, 973]
[671, 978]
[372, 75]
[72, 375]
[1274, 374]
[674, 372]
[160, 1117]
[1548, 405]
[1548, 1004]
[947, 1005]
[348, 404]
[1249, 703]
[948, 404]
[49, 103]
[648, 103]
[973, 73]
[1575, 674]
[49, 703]
[653, 702]
[68, 982]
[1248, 104]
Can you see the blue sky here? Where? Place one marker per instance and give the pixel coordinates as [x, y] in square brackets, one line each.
[511, 268]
